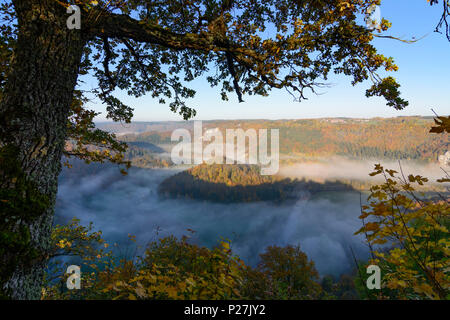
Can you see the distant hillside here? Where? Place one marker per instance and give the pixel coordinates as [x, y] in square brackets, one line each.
[377, 138]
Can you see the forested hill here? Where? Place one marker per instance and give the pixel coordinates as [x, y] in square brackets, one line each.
[240, 183]
[381, 138]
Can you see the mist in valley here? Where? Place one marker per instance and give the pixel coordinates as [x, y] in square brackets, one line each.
[335, 168]
[322, 224]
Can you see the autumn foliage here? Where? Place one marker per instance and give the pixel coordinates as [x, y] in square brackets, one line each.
[172, 268]
[408, 235]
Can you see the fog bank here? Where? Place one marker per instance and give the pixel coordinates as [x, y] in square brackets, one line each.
[119, 205]
[340, 168]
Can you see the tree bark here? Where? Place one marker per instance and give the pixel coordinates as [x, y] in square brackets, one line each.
[33, 118]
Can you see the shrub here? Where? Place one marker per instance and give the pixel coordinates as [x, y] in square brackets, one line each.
[408, 236]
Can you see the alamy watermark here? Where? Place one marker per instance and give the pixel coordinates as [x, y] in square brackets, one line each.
[74, 20]
[374, 280]
[373, 17]
[74, 280]
[192, 150]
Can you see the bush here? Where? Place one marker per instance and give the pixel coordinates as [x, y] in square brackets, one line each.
[283, 273]
[172, 268]
[410, 231]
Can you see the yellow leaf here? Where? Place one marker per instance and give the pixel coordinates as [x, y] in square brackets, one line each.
[131, 297]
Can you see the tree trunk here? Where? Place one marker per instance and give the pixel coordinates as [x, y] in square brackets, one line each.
[33, 119]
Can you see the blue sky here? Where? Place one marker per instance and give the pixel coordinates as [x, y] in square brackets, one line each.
[424, 75]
